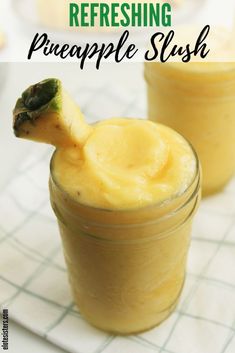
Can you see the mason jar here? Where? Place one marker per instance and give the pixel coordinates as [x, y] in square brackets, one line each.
[126, 267]
[198, 101]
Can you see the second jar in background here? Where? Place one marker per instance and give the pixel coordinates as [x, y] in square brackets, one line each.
[198, 101]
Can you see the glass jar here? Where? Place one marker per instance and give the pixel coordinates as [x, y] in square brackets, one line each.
[198, 101]
[126, 267]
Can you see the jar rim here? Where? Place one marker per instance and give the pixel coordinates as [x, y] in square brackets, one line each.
[195, 73]
[132, 210]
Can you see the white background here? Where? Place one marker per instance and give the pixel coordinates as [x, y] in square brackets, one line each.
[20, 29]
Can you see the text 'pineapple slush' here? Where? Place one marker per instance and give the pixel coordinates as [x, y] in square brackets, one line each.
[124, 192]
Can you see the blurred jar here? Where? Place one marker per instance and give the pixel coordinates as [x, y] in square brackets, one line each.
[198, 101]
[2, 39]
[126, 268]
[4, 71]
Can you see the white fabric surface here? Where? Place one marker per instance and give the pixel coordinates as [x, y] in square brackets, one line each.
[33, 279]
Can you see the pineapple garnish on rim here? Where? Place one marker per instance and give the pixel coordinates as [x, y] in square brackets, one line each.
[46, 113]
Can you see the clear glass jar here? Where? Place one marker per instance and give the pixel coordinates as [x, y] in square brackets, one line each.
[126, 268]
[198, 101]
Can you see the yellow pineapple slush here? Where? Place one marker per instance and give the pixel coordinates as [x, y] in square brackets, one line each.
[124, 203]
[198, 101]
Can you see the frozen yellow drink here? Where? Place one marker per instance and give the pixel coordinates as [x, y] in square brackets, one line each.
[198, 101]
[124, 195]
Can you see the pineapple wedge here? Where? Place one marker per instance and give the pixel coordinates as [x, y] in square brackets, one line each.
[46, 113]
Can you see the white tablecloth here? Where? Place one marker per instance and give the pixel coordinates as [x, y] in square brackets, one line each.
[33, 279]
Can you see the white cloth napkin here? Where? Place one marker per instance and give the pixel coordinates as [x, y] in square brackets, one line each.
[34, 286]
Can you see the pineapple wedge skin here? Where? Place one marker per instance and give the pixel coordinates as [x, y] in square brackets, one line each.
[36, 112]
[46, 113]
